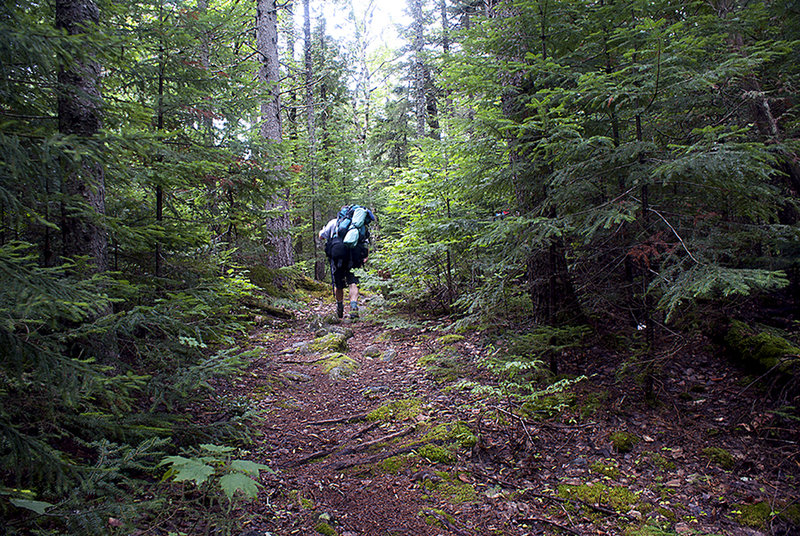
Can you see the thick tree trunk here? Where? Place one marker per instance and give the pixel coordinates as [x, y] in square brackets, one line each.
[277, 228]
[79, 114]
[319, 264]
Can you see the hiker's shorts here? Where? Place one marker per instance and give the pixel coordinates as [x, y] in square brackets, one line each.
[342, 276]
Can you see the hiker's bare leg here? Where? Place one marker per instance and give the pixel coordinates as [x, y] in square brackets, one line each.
[353, 292]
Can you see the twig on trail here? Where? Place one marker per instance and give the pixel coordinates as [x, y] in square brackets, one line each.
[341, 420]
[546, 521]
[446, 523]
[601, 509]
[382, 456]
[370, 444]
[351, 450]
[325, 452]
[292, 362]
[520, 419]
[364, 431]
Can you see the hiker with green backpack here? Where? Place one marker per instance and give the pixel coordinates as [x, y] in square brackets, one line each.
[347, 238]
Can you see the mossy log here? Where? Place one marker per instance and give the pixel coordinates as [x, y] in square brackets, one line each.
[762, 351]
[261, 305]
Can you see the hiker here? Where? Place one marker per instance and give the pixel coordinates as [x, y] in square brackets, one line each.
[346, 248]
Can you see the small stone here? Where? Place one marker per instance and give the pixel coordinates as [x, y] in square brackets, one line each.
[340, 373]
[389, 355]
[295, 376]
[375, 392]
[372, 351]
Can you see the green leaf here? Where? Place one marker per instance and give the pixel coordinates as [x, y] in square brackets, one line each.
[216, 448]
[250, 468]
[234, 482]
[188, 469]
[35, 506]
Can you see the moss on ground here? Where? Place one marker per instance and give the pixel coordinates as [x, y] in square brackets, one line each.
[395, 464]
[325, 529]
[445, 366]
[608, 468]
[720, 457]
[437, 454]
[658, 460]
[753, 515]
[338, 365]
[624, 441]
[451, 338]
[451, 488]
[396, 411]
[332, 342]
[764, 350]
[549, 406]
[435, 520]
[620, 498]
[457, 433]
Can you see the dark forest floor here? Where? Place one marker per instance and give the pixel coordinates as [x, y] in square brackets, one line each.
[393, 447]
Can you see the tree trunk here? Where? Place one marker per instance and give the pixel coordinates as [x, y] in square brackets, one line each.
[277, 228]
[80, 114]
[419, 67]
[319, 264]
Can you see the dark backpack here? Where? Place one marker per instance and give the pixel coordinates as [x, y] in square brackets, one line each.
[348, 245]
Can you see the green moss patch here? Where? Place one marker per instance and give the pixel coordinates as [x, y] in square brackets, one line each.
[332, 342]
[325, 529]
[338, 365]
[457, 432]
[607, 468]
[548, 406]
[763, 350]
[451, 488]
[720, 457]
[624, 441]
[437, 454]
[396, 411]
[445, 366]
[753, 515]
[433, 518]
[620, 498]
[658, 460]
[451, 338]
[395, 464]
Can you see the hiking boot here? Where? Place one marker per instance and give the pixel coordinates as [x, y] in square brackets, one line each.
[340, 309]
[353, 310]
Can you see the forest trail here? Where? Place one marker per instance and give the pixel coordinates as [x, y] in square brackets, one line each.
[390, 448]
[328, 451]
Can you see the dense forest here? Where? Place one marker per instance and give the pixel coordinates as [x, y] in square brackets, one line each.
[560, 186]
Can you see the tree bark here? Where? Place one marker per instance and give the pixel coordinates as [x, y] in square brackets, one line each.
[277, 228]
[419, 67]
[80, 114]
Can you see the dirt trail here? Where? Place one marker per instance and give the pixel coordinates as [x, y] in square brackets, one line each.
[361, 499]
[447, 462]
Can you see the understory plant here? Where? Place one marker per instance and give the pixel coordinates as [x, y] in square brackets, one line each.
[220, 480]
